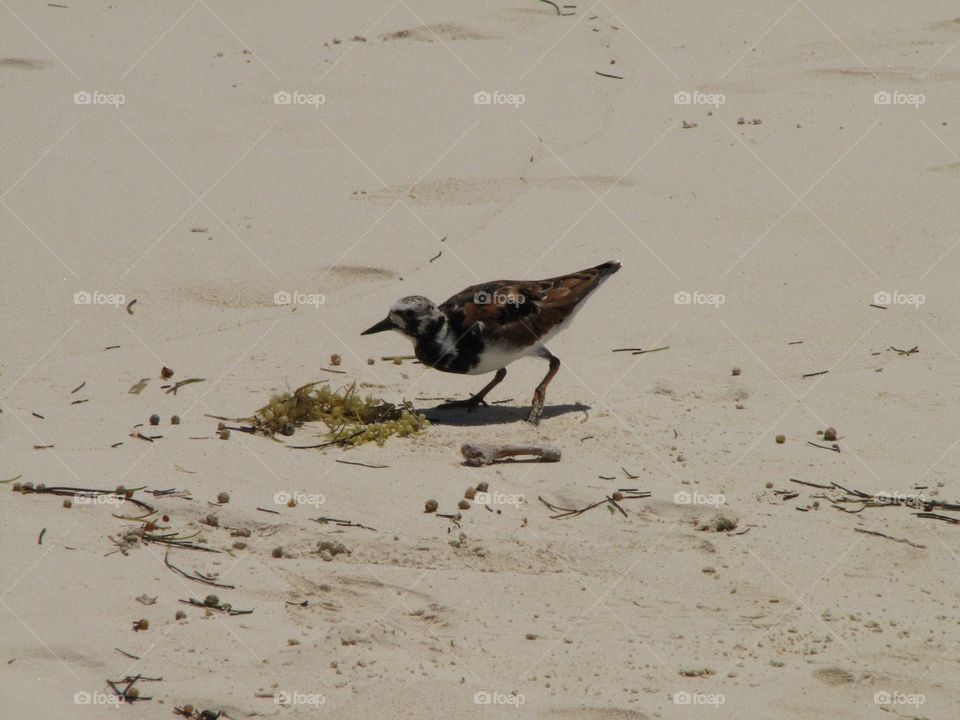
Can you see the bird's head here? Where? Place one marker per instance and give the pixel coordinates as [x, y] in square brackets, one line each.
[412, 316]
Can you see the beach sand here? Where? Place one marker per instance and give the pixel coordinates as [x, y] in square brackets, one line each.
[761, 196]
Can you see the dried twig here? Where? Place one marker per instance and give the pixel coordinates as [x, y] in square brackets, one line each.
[477, 454]
[350, 462]
[611, 500]
[890, 537]
[804, 482]
[205, 579]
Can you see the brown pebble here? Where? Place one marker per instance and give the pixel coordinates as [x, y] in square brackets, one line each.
[68, 503]
[212, 521]
[180, 615]
[483, 486]
[830, 434]
[239, 545]
[223, 498]
[398, 361]
[142, 624]
[133, 693]
[736, 371]
[369, 361]
[154, 419]
[769, 485]
[175, 420]
[531, 636]
[335, 360]
[431, 506]
[277, 552]
[781, 439]
[464, 504]
[618, 495]
[211, 601]
[291, 503]
[470, 493]
[224, 434]
[166, 373]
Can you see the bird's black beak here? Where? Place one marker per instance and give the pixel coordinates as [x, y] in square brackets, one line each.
[385, 324]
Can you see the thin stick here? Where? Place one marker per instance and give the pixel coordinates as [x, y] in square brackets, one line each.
[349, 462]
[935, 516]
[40, 538]
[130, 306]
[890, 537]
[268, 511]
[804, 482]
[78, 387]
[824, 447]
[124, 652]
[607, 75]
[196, 576]
[815, 374]
[338, 372]
[436, 256]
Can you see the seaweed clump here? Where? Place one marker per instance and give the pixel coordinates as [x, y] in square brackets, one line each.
[351, 419]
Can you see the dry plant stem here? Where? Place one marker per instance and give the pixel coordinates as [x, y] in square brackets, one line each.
[196, 576]
[477, 454]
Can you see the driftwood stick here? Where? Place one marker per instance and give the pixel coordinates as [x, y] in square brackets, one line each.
[481, 454]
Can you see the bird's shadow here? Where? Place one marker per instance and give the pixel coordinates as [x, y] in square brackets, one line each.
[495, 414]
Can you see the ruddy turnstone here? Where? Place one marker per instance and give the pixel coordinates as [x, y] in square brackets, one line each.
[486, 327]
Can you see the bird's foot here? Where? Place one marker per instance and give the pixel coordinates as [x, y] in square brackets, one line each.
[535, 411]
[470, 403]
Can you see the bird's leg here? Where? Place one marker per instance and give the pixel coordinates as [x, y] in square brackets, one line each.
[539, 395]
[471, 402]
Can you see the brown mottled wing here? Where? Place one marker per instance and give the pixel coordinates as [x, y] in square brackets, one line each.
[520, 312]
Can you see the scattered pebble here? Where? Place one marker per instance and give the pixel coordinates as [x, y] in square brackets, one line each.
[154, 419]
[431, 506]
[166, 373]
[830, 434]
[483, 486]
[369, 361]
[781, 439]
[470, 493]
[464, 504]
[211, 601]
[335, 360]
[68, 503]
[223, 434]
[141, 624]
[223, 498]
[211, 520]
[175, 420]
[181, 615]
[736, 371]
[277, 552]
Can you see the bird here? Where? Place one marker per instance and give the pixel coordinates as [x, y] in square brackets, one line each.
[485, 327]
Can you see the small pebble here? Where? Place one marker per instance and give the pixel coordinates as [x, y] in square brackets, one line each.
[142, 624]
[291, 503]
[154, 419]
[181, 615]
[68, 503]
[223, 434]
[211, 601]
[470, 493]
[335, 360]
[769, 485]
[736, 371]
[483, 486]
[223, 498]
[531, 636]
[239, 545]
[431, 506]
[277, 552]
[175, 420]
[781, 439]
[212, 520]
[397, 361]
[369, 361]
[464, 504]
[617, 495]
[166, 373]
[830, 434]
[133, 693]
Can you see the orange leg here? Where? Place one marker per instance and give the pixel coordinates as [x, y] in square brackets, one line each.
[539, 395]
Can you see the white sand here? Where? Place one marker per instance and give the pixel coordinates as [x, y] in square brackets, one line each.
[202, 198]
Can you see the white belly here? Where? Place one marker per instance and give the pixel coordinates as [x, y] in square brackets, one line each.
[495, 357]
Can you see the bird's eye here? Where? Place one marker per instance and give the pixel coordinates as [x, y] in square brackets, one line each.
[408, 313]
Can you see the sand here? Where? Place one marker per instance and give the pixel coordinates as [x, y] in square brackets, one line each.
[179, 178]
